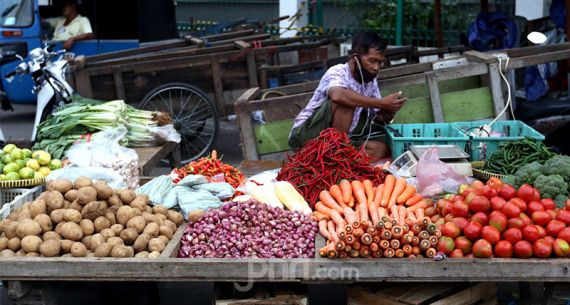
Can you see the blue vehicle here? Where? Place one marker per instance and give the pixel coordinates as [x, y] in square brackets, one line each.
[117, 25]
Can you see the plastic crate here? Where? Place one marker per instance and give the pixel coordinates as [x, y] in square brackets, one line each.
[480, 148]
[11, 199]
[402, 136]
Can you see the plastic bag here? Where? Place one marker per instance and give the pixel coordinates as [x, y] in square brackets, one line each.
[113, 179]
[105, 151]
[157, 135]
[157, 189]
[436, 177]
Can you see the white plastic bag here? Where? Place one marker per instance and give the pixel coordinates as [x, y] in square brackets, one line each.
[436, 177]
[113, 179]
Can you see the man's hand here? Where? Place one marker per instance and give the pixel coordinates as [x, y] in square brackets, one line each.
[392, 103]
[68, 44]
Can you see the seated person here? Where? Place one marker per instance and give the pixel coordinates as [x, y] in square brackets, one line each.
[71, 27]
[348, 99]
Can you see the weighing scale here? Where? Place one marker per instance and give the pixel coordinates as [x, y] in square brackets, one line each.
[452, 155]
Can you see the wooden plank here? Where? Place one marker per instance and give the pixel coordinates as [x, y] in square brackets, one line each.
[244, 120]
[242, 45]
[357, 296]
[531, 60]
[83, 84]
[119, 84]
[497, 91]
[479, 57]
[462, 71]
[171, 249]
[175, 43]
[423, 293]
[149, 157]
[536, 50]
[434, 97]
[258, 37]
[218, 87]
[470, 295]
[228, 35]
[251, 70]
[404, 70]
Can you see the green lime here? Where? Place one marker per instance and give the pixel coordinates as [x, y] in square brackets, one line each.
[26, 173]
[2, 177]
[17, 154]
[43, 158]
[12, 176]
[27, 153]
[21, 163]
[10, 168]
[38, 175]
[8, 148]
[7, 159]
[55, 164]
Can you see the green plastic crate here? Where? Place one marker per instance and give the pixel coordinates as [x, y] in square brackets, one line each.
[402, 136]
[480, 148]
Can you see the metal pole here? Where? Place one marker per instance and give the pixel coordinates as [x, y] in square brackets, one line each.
[399, 22]
[438, 30]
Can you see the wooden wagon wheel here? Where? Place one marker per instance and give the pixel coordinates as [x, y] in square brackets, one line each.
[194, 115]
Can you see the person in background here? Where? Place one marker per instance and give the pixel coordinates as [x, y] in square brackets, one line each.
[348, 99]
[71, 27]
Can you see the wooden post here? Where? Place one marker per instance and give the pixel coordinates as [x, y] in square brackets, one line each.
[251, 70]
[438, 29]
[249, 147]
[497, 90]
[119, 84]
[83, 83]
[218, 88]
[435, 99]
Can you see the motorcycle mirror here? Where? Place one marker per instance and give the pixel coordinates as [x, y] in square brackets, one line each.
[536, 37]
[19, 57]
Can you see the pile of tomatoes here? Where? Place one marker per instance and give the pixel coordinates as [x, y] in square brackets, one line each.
[496, 220]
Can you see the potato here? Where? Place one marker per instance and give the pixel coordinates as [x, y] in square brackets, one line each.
[113, 209]
[115, 241]
[122, 251]
[72, 231]
[154, 254]
[141, 243]
[148, 217]
[127, 196]
[96, 241]
[3, 243]
[117, 228]
[50, 248]
[51, 235]
[162, 218]
[107, 233]
[164, 239]
[104, 191]
[87, 226]
[14, 244]
[58, 227]
[138, 223]
[7, 253]
[140, 202]
[86, 194]
[45, 222]
[94, 209]
[82, 182]
[175, 217]
[10, 229]
[159, 209]
[54, 200]
[66, 255]
[86, 241]
[31, 243]
[152, 229]
[72, 215]
[21, 253]
[171, 225]
[123, 214]
[112, 219]
[148, 209]
[90, 254]
[32, 254]
[71, 195]
[78, 250]
[76, 206]
[166, 231]
[57, 216]
[24, 214]
[66, 204]
[115, 201]
[28, 227]
[196, 215]
[143, 254]
[156, 244]
[101, 223]
[129, 235]
[103, 250]
[60, 185]
[3, 224]
[38, 207]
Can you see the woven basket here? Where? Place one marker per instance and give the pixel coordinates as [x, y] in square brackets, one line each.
[22, 183]
[482, 175]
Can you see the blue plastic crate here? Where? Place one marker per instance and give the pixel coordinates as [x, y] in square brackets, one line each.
[402, 136]
[480, 148]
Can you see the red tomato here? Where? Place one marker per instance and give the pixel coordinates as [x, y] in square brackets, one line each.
[448, 217]
[477, 184]
[561, 248]
[470, 255]
[491, 234]
[470, 197]
[503, 249]
[567, 205]
[515, 223]
[482, 249]
[481, 218]
[565, 234]
[523, 249]
[542, 248]
[536, 195]
[563, 216]
[445, 245]
[486, 191]
[534, 206]
[497, 203]
[466, 191]
[507, 192]
[554, 227]
[541, 218]
[541, 231]
[549, 239]
[463, 244]
[526, 220]
[459, 209]
[480, 204]
[460, 222]
[520, 203]
[450, 229]
[513, 235]
[552, 213]
[548, 204]
[511, 209]
[530, 233]
[499, 221]
[495, 183]
[472, 230]
[456, 254]
[526, 193]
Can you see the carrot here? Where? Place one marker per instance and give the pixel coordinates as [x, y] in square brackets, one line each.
[336, 193]
[394, 210]
[373, 211]
[333, 214]
[320, 216]
[351, 202]
[358, 191]
[381, 212]
[349, 216]
[357, 213]
[389, 182]
[399, 187]
[378, 195]
[420, 214]
[338, 243]
[413, 200]
[323, 229]
[369, 190]
[346, 189]
[421, 204]
[402, 212]
[363, 212]
[329, 201]
[406, 194]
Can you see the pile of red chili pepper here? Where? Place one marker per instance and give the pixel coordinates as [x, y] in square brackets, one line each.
[212, 168]
[325, 161]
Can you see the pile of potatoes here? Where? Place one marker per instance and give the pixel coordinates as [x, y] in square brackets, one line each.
[86, 219]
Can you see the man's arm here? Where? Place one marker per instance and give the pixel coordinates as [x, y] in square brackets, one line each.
[349, 98]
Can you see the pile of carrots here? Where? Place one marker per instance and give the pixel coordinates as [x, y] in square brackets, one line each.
[389, 220]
